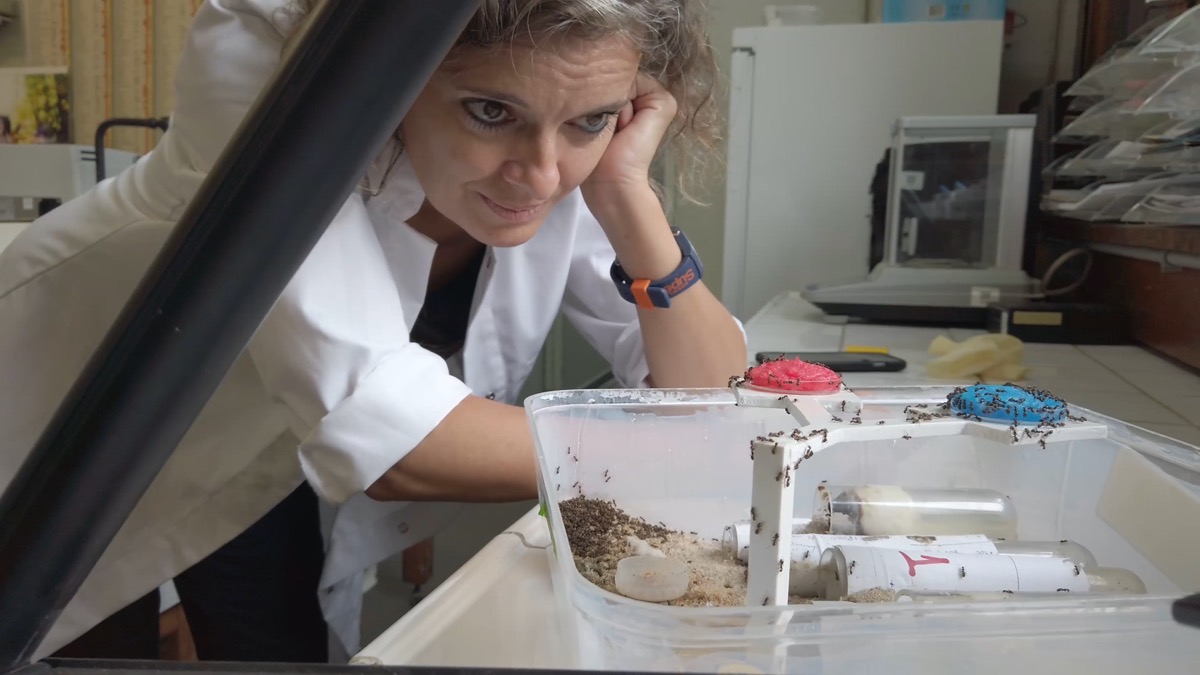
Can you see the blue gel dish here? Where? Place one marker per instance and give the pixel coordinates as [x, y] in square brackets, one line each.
[1008, 403]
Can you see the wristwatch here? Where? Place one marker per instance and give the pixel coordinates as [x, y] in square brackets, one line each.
[657, 293]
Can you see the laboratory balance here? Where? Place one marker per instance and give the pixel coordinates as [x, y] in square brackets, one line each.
[955, 228]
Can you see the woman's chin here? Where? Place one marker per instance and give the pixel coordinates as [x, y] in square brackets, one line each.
[500, 233]
[506, 236]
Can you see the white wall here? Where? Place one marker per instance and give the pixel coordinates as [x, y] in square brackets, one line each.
[1037, 54]
[705, 224]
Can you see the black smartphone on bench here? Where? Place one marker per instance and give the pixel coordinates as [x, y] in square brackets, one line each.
[842, 362]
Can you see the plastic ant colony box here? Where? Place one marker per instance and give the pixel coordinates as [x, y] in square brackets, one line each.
[898, 530]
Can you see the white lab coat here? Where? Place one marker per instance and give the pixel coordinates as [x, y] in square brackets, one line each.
[329, 389]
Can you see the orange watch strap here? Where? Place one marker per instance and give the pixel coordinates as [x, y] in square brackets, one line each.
[640, 294]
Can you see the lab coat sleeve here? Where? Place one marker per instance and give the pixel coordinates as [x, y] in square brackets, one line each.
[592, 305]
[334, 350]
[233, 49]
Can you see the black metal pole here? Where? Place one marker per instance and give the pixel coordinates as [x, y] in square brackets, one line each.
[355, 71]
[102, 131]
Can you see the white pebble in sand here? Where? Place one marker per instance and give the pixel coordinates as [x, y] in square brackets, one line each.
[651, 578]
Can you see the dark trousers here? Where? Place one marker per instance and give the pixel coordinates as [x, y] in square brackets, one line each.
[253, 600]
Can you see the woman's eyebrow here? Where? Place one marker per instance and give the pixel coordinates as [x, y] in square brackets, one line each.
[502, 97]
[495, 96]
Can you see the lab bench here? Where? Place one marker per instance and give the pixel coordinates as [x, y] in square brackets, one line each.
[498, 610]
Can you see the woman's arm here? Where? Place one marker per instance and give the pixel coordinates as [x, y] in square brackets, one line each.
[481, 452]
[693, 343]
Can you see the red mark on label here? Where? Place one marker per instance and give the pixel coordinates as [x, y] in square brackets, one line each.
[925, 560]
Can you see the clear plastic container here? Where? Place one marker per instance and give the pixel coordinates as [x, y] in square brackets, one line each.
[1104, 200]
[1176, 92]
[1121, 78]
[1111, 120]
[1181, 34]
[1175, 202]
[1102, 158]
[1124, 68]
[1108, 158]
[1173, 130]
[1129, 496]
[876, 510]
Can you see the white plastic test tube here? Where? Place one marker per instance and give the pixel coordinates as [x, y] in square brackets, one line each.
[846, 570]
[1073, 551]
[1101, 580]
[807, 549]
[736, 538]
[888, 509]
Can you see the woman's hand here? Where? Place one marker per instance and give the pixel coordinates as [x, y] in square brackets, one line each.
[624, 171]
[618, 192]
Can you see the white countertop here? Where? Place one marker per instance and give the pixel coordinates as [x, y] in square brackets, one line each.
[498, 610]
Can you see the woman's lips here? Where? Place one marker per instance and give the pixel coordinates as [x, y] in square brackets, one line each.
[514, 214]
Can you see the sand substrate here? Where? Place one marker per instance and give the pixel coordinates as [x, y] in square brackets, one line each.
[599, 535]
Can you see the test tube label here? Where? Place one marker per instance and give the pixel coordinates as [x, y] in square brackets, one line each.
[944, 571]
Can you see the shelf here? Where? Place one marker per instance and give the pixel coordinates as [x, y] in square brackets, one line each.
[1180, 239]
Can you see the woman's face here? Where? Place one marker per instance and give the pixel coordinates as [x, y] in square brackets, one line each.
[498, 138]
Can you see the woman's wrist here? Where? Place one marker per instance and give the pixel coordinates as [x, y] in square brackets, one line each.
[639, 232]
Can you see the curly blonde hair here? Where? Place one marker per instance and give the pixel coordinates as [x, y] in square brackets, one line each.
[671, 35]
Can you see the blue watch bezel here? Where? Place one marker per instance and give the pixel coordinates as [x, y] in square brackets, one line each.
[659, 292]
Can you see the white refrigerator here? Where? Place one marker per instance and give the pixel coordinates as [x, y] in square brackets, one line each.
[811, 113]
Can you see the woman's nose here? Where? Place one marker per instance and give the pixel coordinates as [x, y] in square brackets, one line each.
[535, 167]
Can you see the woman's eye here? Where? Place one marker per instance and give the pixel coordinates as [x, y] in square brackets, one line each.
[594, 124]
[488, 112]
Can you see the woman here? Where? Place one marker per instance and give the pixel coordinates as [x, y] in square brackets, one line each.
[386, 375]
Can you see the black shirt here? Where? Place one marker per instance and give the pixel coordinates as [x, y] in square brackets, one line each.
[441, 326]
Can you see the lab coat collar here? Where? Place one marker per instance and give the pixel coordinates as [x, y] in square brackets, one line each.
[391, 184]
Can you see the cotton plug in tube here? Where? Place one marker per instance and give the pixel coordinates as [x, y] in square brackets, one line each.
[846, 570]
[889, 509]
